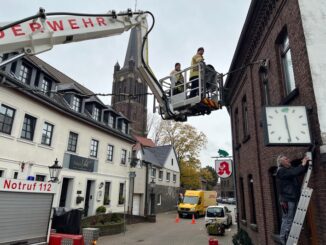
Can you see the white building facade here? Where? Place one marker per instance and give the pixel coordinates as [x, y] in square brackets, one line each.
[156, 164]
[90, 140]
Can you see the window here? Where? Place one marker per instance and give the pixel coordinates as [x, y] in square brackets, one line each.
[7, 115]
[25, 73]
[167, 176]
[123, 156]
[124, 127]
[154, 172]
[159, 199]
[277, 213]
[96, 114]
[252, 205]
[242, 199]
[245, 117]
[28, 127]
[47, 134]
[174, 177]
[45, 85]
[106, 200]
[236, 126]
[110, 152]
[287, 65]
[160, 174]
[39, 177]
[15, 175]
[2, 173]
[72, 142]
[264, 85]
[172, 161]
[94, 148]
[111, 121]
[121, 194]
[120, 92]
[76, 104]
[214, 212]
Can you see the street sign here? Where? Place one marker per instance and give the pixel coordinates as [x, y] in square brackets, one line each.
[223, 168]
[15, 185]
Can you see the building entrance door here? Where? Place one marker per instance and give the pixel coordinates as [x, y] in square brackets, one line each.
[64, 191]
[136, 204]
[88, 197]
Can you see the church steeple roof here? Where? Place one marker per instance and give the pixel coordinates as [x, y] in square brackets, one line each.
[134, 48]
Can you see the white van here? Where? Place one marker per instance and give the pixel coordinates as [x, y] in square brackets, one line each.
[218, 214]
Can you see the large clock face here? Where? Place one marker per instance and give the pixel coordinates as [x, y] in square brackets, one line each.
[287, 125]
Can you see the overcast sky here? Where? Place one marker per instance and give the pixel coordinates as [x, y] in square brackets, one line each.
[181, 27]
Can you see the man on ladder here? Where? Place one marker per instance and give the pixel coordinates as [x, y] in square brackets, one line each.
[290, 190]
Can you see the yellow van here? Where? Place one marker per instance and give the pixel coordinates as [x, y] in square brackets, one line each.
[196, 202]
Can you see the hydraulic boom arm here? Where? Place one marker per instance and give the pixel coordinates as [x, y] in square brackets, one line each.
[38, 33]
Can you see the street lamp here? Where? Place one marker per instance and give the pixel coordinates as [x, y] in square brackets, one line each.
[55, 170]
[152, 185]
[132, 176]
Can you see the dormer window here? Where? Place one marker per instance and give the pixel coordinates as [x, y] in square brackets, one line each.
[124, 127]
[96, 114]
[76, 104]
[111, 121]
[25, 73]
[45, 85]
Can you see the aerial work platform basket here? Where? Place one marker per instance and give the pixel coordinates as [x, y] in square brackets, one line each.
[194, 96]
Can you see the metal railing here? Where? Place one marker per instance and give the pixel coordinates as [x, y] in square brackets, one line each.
[184, 91]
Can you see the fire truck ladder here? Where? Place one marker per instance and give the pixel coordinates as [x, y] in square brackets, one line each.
[302, 208]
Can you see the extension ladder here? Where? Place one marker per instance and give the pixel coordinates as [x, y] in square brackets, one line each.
[302, 208]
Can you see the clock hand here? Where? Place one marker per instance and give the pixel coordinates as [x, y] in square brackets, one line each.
[287, 127]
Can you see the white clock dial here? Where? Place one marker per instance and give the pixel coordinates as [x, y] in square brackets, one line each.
[287, 125]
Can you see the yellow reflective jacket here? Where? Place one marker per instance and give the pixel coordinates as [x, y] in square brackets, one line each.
[195, 60]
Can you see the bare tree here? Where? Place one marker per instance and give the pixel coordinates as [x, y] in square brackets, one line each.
[154, 127]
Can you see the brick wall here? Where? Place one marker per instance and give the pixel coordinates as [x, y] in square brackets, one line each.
[251, 156]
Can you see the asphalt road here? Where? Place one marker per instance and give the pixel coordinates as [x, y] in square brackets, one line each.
[167, 232]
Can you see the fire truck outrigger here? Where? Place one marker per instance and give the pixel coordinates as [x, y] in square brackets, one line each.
[38, 33]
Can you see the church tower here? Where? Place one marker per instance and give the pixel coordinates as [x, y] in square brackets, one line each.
[130, 93]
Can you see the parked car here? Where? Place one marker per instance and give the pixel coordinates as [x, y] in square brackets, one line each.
[231, 200]
[219, 200]
[218, 214]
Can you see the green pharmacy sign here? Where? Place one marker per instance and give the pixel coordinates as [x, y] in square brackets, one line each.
[222, 153]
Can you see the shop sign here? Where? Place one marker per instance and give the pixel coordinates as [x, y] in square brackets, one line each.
[81, 163]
